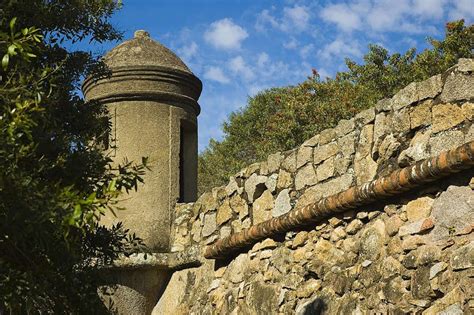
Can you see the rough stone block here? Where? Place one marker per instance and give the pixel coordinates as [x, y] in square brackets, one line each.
[300, 239]
[405, 97]
[326, 136]
[354, 226]
[326, 169]
[416, 227]
[251, 169]
[312, 142]
[465, 65]
[336, 185]
[310, 195]
[254, 186]
[232, 186]
[420, 115]
[384, 105]
[427, 254]
[443, 304]
[412, 242]
[304, 156]
[207, 201]
[341, 164]
[429, 88]
[237, 269]
[282, 203]
[393, 224]
[239, 205]
[327, 253]
[289, 163]
[324, 152]
[306, 176]
[463, 257]
[418, 149]
[388, 147]
[347, 144]
[365, 116]
[338, 234]
[470, 134]
[420, 283]
[446, 141]
[366, 138]
[225, 231]
[271, 182]
[468, 110]
[210, 224]
[262, 207]
[344, 127]
[285, 180]
[372, 241]
[383, 127]
[274, 162]
[446, 116]
[437, 268]
[224, 213]
[399, 121]
[419, 208]
[458, 87]
[196, 231]
[365, 169]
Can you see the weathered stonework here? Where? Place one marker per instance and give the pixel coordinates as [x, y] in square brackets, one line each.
[411, 256]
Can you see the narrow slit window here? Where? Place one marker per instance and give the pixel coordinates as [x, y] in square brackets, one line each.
[187, 162]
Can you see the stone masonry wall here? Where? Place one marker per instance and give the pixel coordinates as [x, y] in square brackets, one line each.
[413, 253]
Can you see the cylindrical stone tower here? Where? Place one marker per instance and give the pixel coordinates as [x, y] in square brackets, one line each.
[152, 99]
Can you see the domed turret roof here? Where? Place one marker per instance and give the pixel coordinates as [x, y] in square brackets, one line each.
[143, 51]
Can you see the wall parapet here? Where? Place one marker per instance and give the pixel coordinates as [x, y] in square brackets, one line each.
[379, 258]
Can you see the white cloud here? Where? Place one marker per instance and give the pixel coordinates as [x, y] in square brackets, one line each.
[187, 52]
[427, 9]
[339, 48]
[293, 19]
[238, 66]
[306, 50]
[263, 19]
[389, 16]
[291, 44]
[410, 16]
[463, 9]
[216, 74]
[263, 59]
[343, 16]
[225, 34]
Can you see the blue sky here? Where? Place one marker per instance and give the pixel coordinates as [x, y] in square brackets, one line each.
[240, 47]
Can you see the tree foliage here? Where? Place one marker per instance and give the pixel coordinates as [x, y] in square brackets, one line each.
[280, 119]
[55, 182]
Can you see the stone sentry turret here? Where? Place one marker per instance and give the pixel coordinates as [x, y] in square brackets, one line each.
[152, 98]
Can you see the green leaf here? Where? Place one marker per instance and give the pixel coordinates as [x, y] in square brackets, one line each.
[5, 60]
[11, 50]
[12, 23]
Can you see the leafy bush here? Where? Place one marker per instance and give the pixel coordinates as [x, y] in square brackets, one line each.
[55, 182]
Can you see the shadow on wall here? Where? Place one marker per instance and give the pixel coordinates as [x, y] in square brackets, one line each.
[137, 290]
[314, 307]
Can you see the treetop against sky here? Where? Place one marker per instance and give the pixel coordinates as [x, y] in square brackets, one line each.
[238, 48]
